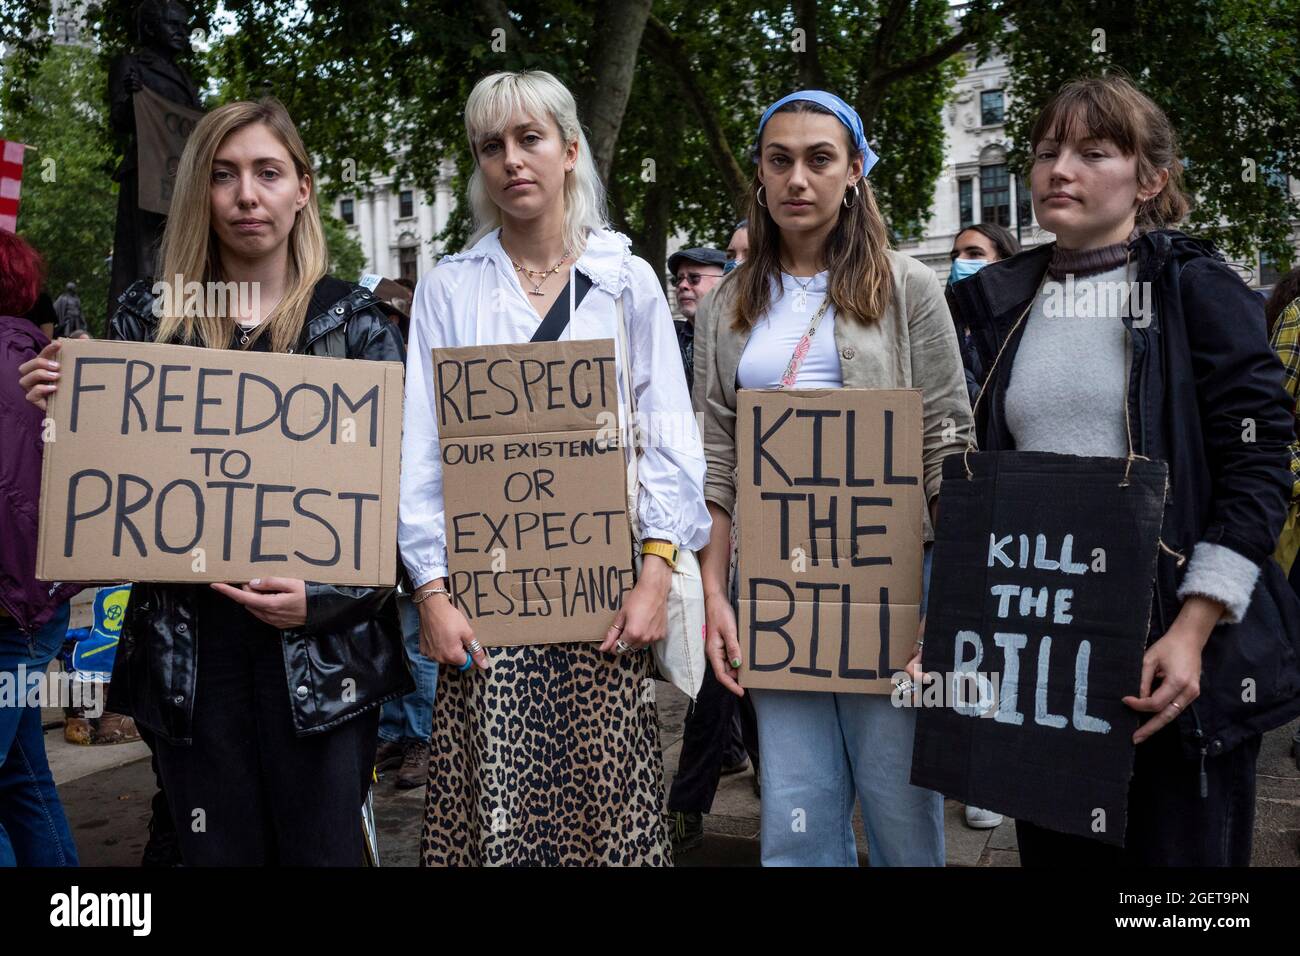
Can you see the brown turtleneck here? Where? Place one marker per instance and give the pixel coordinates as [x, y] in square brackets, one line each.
[1086, 262]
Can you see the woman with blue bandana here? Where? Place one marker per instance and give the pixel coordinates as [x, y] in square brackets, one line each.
[819, 261]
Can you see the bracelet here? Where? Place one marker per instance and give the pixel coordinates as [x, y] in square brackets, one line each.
[424, 593]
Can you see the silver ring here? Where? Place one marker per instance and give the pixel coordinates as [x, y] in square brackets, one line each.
[905, 686]
[474, 646]
[622, 646]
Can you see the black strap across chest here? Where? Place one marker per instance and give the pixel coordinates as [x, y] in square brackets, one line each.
[557, 316]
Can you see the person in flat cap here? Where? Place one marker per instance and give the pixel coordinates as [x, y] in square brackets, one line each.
[693, 272]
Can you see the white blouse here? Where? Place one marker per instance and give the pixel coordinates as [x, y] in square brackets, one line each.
[775, 335]
[473, 298]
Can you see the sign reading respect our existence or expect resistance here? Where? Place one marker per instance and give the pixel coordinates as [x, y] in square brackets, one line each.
[829, 500]
[539, 545]
[169, 463]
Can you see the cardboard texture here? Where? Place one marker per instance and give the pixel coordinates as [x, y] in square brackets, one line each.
[1040, 598]
[539, 545]
[169, 463]
[830, 495]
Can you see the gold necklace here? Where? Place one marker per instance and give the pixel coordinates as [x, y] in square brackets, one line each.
[544, 273]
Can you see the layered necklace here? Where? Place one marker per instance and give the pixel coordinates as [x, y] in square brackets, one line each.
[532, 274]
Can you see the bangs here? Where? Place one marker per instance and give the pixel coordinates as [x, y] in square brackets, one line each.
[1088, 111]
[491, 106]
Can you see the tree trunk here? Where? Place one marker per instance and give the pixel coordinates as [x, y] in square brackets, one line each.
[617, 37]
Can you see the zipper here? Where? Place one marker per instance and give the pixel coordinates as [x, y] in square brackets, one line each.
[1200, 736]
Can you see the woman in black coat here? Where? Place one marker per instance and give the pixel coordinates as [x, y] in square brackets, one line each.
[1184, 374]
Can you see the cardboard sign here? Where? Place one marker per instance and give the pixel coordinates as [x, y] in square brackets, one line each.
[539, 544]
[1040, 601]
[168, 463]
[161, 127]
[829, 499]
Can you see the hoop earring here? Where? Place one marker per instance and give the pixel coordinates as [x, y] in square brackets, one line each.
[852, 189]
[758, 196]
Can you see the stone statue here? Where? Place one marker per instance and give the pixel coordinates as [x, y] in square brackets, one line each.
[161, 33]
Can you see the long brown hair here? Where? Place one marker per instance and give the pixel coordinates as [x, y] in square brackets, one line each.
[189, 246]
[856, 254]
[1110, 107]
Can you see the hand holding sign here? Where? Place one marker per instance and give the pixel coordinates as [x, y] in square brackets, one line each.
[643, 618]
[445, 632]
[280, 602]
[39, 376]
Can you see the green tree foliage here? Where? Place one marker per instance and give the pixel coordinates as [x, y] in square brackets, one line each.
[363, 81]
[69, 201]
[1225, 71]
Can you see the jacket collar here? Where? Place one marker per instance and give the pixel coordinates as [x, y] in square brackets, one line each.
[605, 261]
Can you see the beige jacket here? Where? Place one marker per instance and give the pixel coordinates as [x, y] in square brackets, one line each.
[913, 346]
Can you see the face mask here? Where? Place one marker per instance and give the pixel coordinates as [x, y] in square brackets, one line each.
[964, 268]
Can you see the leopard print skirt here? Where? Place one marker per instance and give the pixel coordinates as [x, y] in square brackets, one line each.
[550, 758]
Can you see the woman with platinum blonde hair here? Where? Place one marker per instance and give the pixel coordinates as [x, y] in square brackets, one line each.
[545, 754]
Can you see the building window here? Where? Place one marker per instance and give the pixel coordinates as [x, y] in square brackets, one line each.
[347, 211]
[1024, 203]
[1270, 271]
[409, 263]
[995, 195]
[991, 108]
[405, 204]
[966, 202]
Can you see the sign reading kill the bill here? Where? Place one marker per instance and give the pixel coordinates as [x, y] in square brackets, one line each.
[830, 497]
[169, 463]
[539, 546]
[1040, 602]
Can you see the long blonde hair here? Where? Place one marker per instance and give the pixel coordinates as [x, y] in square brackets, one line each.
[856, 254]
[190, 249]
[540, 95]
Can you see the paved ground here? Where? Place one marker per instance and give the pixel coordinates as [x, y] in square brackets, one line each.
[106, 792]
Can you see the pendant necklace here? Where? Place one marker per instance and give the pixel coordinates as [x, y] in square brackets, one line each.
[544, 273]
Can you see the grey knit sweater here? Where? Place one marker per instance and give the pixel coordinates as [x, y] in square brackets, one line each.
[1066, 395]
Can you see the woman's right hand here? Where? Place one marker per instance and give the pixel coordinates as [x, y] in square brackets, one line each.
[40, 376]
[720, 642]
[445, 633]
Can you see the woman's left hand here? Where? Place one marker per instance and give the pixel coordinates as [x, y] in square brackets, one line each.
[643, 618]
[1176, 660]
[280, 602]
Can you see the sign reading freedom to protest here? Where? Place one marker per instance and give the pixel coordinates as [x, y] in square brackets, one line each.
[169, 463]
[830, 498]
[539, 545]
[1040, 601]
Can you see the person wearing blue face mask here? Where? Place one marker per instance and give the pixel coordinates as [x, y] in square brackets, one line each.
[972, 249]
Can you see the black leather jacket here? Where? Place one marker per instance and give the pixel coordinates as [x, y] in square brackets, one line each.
[352, 633]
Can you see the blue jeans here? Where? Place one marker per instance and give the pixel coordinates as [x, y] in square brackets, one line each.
[820, 750]
[33, 829]
[411, 717]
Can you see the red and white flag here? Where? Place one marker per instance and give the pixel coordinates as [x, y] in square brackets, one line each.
[11, 181]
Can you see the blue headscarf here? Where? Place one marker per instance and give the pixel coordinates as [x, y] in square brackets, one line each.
[833, 104]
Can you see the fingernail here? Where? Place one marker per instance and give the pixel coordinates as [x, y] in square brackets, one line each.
[735, 663]
[54, 365]
[255, 582]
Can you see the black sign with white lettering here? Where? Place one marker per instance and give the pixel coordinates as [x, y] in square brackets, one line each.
[1040, 603]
